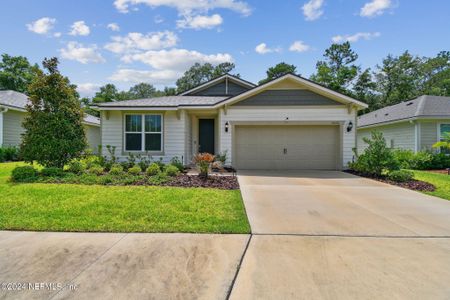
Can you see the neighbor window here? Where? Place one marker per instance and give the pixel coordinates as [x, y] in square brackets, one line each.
[444, 129]
[143, 132]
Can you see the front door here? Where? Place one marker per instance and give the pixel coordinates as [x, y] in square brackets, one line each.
[206, 136]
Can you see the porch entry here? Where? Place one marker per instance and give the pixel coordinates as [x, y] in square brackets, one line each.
[206, 136]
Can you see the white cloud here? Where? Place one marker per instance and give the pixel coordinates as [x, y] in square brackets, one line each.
[158, 19]
[87, 89]
[299, 46]
[135, 41]
[136, 76]
[79, 28]
[113, 27]
[176, 59]
[57, 34]
[84, 55]
[263, 49]
[42, 25]
[187, 7]
[200, 22]
[375, 8]
[312, 10]
[355, 37]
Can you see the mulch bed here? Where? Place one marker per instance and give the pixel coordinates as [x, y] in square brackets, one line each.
[217, 182]
[415, 185]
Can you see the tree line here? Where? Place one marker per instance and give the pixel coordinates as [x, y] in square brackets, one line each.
[395, 79]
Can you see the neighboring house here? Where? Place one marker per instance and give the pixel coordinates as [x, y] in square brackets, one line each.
[414, 125]
[287, 123]
[13, 112]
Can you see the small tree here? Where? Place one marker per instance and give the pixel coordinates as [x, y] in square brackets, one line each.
[54, 132]
[377, 157]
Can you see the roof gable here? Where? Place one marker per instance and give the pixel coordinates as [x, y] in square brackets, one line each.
[225, 85]
[295, 82]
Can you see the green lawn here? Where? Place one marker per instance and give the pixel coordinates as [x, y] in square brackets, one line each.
[441, 181]
[66, 207]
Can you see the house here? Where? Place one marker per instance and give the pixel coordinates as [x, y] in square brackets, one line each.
[413, 125]
[13, 112]
[287, 123]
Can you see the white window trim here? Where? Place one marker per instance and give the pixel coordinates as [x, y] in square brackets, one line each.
[142, 133]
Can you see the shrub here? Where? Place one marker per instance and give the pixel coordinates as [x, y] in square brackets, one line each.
[135, 170]
[172, 170]
[377, 158]
[24, 174]
[401, 175]
[96, 170]
[203, 161]
[9, 154]
[158, 179]
[52, 172]
[153, 169]
[160, 163]
[144, 162]
[222, 157]
[421, 160]
[76, 166]
[116, 169]
[404, 157]
[440, 161]
[175, 161]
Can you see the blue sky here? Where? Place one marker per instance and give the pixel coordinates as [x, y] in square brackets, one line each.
[130, 41]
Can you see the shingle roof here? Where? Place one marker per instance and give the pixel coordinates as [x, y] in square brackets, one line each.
[423, 106]
[168, 101]
[18, 100]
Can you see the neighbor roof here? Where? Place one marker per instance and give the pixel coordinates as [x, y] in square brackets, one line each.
[18, 101]
[218, 79]
[421, 107]
[167, 101]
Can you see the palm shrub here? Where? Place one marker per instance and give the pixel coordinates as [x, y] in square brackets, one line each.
[445, 143]
[377, 158]
[203, 162]
[54, 132]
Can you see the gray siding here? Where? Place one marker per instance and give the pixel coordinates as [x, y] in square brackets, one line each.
[92, 137]
[219, 89]
[428, 135]
[12, 127]
[286, 98]
[401, 135]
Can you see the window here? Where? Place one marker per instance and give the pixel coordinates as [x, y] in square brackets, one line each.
[143, 132]
[443, 130]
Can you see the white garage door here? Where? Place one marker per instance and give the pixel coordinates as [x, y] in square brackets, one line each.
[287, 147]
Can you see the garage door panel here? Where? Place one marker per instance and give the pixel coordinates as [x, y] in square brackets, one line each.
[308, 147]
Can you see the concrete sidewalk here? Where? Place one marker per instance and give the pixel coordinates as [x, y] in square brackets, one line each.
[120, 266]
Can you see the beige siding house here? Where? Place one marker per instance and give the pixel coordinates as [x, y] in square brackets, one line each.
[412, 125]
[13, 112]
[288, 123]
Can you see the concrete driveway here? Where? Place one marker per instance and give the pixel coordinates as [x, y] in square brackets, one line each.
[337, 203]
[331, 235]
